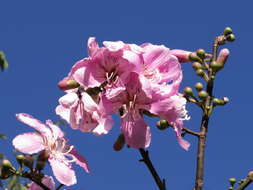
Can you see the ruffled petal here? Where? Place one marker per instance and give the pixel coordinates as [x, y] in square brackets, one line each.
[80, 160]
[136, 132]
[63, 171]
[32, 122]
[114, 46]
[28, 143]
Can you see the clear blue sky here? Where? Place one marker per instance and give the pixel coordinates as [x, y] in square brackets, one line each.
[42, 40]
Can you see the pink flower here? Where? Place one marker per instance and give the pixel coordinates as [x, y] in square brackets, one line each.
[173, 110]
[82, 112]
[49, 137]
[47, 181]
[106, 67]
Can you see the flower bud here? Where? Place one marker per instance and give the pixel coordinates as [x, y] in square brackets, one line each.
[68, 84]
[196, 66]
[6, 169]
[199, 86]
[194, 58]
[231, 37]
[230, 188]
[226, 100]
[216, 66]
[182, 55]
[162, 124]
[28, 161]
[203, 95]
[188, 91]
[119, 143]
[200, 72]
[223, 56]
[228, 31]
[232, 181]
[20, 159]
[201, 53]
[3, 61]
[6, 164]
[250, 175]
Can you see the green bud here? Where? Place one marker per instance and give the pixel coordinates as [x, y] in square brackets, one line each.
[203, 95]
[68, 84]
[230, 188]
[20, 159]
[216, 66]
[194, 58]
[250, 175]
[199, 86]
[228, 31]
[188, 91]
[119, 143]
[6, 164]
[162, 124]
[201, 53]
[212, 77]
[232, 181]
[196, 66]
[231, 37]
[200, 72]
[28, 161]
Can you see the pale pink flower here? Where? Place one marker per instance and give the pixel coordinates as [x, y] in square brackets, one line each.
[182, 55]
[83, 113]
[47, 181]
[50, 138]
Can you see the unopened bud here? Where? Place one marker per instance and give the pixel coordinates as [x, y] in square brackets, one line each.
[200, 72]
[199, 86]
[228, 31]
[231, 37]
[250, 175]
[203, 95]
[162, 124]
[216, 66]
[194, 58]
[68, 84]
[188, 91]
[196, 66]
[6, 164]
[230, 188]
[182, 55]
[20, 159]
[28, 161]
[119, 143]
[232, 181]
[3, 61]
[201, 53]
[220, 102]
[223, 56]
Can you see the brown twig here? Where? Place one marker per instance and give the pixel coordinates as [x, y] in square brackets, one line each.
[35, 180]
[188, 131]
[145, 155]
[246, 182]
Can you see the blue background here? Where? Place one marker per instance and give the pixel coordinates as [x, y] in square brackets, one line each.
[43, 39]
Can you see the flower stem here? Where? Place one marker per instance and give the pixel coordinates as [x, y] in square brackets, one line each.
[145, 158]
[35, 180]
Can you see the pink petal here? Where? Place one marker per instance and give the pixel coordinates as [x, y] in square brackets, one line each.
[105, 125]
[63, 112]
[36, 124]
[47, 181]
[88, 102]
[80, 160]
[92, 46]
[57, 132]
[68, 99]
[63, 171]
[137, 133]
[29, 143]
[114, 46]
[182, 55]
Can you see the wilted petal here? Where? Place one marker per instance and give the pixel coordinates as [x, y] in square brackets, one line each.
[28, 143]
[136, 132]
[63, 171]
[47, 181]
[80, 160]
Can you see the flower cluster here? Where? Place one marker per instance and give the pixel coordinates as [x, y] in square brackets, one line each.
[127, 79]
